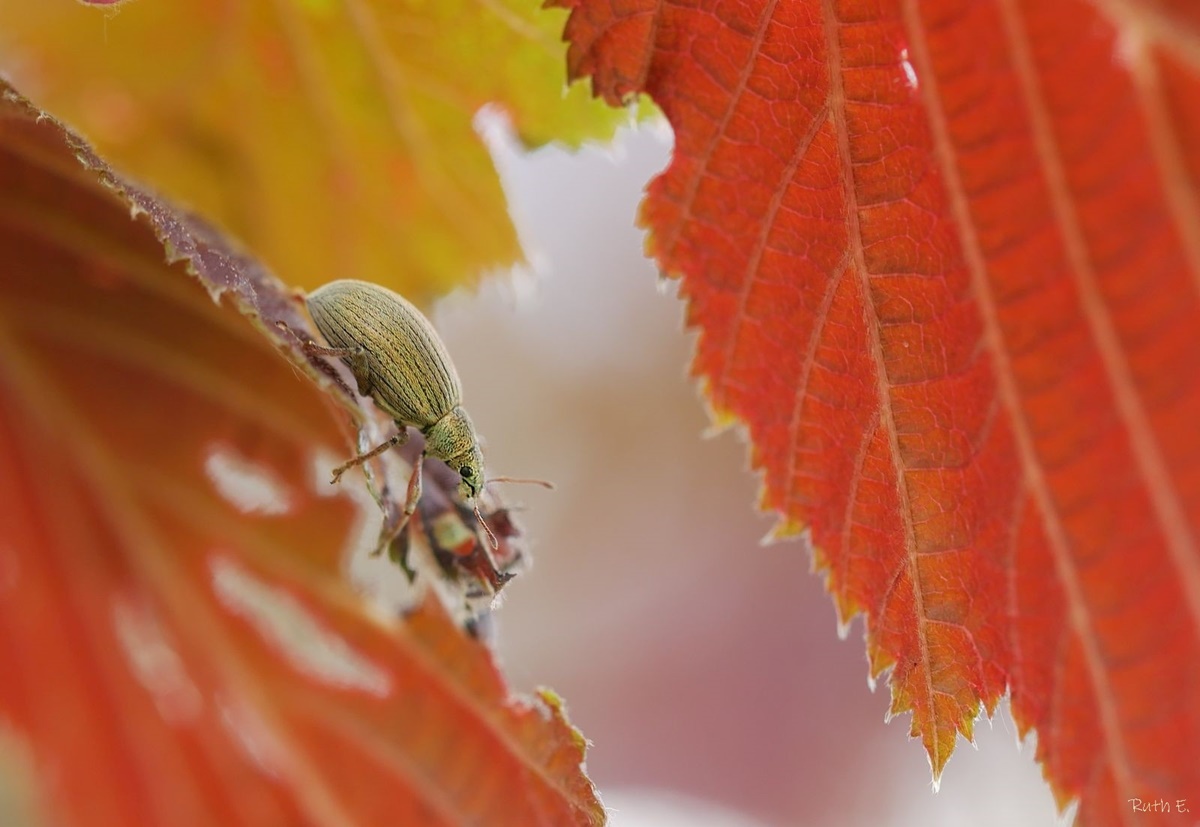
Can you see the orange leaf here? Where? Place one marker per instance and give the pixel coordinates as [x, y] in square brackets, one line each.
[944, 259]
[179, 644]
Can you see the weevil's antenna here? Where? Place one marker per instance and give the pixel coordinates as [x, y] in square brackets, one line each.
[483, 522]
[486, 527]
[542, 483]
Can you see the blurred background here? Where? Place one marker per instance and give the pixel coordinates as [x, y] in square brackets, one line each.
[705, 668]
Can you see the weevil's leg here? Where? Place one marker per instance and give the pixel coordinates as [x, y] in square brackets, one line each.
[414, 489]
[356, 358]
[399, 438]
[410, 501]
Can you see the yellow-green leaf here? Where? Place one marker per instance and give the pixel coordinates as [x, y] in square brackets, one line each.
[334, 138]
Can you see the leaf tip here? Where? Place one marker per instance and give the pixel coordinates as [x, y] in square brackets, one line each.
[784, 529]
[557, 709]
[719, 420]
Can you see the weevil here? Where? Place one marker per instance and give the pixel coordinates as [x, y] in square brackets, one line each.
[398, 359]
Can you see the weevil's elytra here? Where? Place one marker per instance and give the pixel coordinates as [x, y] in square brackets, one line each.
[398, 359]
[409, 370]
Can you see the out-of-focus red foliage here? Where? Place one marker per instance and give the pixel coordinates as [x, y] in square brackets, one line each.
[944, 258]
[179, 643]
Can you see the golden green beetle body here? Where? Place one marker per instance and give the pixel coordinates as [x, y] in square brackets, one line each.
[399, 361]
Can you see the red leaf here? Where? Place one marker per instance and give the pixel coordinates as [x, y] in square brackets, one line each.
[944, 258]
[179, 644]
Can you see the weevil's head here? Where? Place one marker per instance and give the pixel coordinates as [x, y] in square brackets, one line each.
[470, 468]
[452, 439]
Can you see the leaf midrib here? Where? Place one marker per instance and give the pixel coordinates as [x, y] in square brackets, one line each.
[837, 106]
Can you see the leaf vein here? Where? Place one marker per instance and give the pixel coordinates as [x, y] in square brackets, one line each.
[887, 416]
[671, 236]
